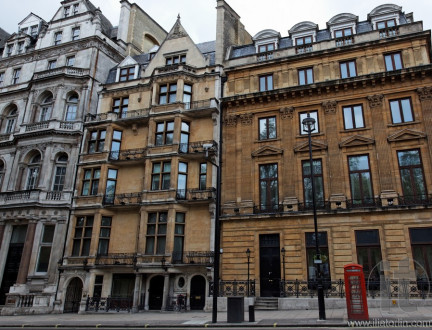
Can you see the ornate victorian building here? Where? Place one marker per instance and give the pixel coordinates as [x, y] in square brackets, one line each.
[141, 228]
[49, 78]
[368, 85]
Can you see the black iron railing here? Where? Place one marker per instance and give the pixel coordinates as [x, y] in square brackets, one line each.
[122, 199]
[195, 194]
[274, 208]
[234, 288]
[95, 304]
[115, 259]
[129, 154]
[319, 205]
[404, 289]
[193, 257]
[363, 203]
[198, 147]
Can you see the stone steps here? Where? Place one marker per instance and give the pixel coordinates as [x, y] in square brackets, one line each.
[266, 303]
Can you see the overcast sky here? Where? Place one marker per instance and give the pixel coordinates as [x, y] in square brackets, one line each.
[199, 16]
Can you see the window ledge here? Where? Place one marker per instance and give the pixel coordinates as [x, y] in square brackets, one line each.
[268, 140]
[313, 134]
[405, 123]
[355, 130]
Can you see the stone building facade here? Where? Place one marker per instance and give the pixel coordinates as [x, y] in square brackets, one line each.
[368, 86]
[143, 215]
[49, 79]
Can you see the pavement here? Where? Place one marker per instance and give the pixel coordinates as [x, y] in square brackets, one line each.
[272, 318]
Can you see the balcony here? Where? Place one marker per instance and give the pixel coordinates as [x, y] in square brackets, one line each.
[344, 41]
[126, 199]
[304, 49]
[194, 148]
[115, 259]
[35, 196]
[5, 137]
[193, 257]
[267, 56]
[196, 195]
[274, 208]
[56, 125]
[65, 70]
[175, 68]
[389, 32]
[128, 154]
[363, 203]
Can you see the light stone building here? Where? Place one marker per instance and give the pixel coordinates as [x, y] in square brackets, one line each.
[141, 232]
[367, 83]
[50, 73]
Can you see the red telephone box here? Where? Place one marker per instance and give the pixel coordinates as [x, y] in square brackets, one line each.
[355, 291]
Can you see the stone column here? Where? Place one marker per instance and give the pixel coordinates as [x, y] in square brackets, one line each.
[165, 292]
[2, 229]
[382, 148]
[137, 290]
[425, 96]
[26, 254]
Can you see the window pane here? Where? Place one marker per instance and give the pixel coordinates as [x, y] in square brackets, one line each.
[44, 256]
[272, 128]
[344, 70]
[150, 245]
[358, 115]
[406, 110]
[48, 234]
[161, 245]
[396, 114]
[348, 118]
[358, 163]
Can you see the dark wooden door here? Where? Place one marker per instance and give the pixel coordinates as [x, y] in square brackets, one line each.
[156, 292]
[197, 292]
[73, 296]
[11, 269]
[270, 267]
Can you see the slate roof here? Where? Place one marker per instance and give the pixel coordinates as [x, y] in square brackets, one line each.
[286, 42]
[3, 37]
[105, 23]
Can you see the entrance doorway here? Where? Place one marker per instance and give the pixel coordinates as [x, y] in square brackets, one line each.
[270, 268]
[73, 296]
[13, 260]
[197, 292]
[156, 292]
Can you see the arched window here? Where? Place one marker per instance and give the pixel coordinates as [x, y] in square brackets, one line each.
[71, 107]
[11, 118]
[46, 108]
[33, 172]
[60, 172]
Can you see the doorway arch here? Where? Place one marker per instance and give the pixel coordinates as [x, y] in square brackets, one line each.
[156, 292]
[197, 292]
[73, 296]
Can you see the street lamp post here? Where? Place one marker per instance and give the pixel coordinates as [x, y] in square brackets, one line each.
[283, 261]
[309, 126]
[248, 252]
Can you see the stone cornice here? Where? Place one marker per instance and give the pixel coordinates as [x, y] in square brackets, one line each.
[53, 51]
[326, 88]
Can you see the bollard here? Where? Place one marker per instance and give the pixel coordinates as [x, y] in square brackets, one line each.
[251, 313]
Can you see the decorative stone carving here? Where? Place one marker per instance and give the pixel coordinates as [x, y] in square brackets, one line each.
[425, 93]
[287, 112]
[230, 120]
[329, 107]
[375, 100]
[246, 119]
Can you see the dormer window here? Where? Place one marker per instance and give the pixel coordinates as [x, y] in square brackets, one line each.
[75, 9]
[344, 37]
[24, 30]
[127, 74]
[304, 40]
[266, 48]
[387, 28]
[20, 48]
[9, 49]
[34, 30]
[67, 11]
[178, 59]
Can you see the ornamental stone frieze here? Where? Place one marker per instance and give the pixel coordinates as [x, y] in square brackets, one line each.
[425, 93]
[329, 107]
[287, 112]
[246, 119]
[375, 100]
[230, 120]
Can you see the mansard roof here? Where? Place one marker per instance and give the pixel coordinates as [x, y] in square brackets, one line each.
[342, 18]
[3, 37]
[265, 34]
[303, 26]
[384, 9]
